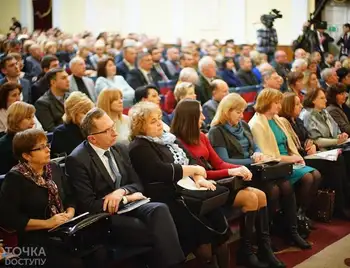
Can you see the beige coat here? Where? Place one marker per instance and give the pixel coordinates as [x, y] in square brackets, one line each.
[265, 139]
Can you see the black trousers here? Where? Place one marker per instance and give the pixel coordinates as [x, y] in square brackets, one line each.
[150, 224]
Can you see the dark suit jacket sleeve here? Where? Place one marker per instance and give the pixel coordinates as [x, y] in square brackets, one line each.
[82, 186]
[10, 200]
[150, 166]
[121, 70]
[43, 114]
[59, 142]
[133, 79]
[209, 113]
[134, 184]
[342, 123]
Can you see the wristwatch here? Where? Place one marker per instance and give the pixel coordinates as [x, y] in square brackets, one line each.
[124, 200]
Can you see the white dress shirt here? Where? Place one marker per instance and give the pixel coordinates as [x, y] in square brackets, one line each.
[100, 152]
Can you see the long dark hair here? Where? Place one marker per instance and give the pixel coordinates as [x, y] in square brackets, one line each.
[185, 123]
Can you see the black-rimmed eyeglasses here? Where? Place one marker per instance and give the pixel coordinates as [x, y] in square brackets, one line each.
[41, 147]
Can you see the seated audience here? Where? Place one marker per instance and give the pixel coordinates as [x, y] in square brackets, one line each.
[142, 75]
[336, 97]
[159, 69]
[20, 116]
[78, 81]
[69, 135]
[103, 180]
[322, 128]
[10, 68]
[328, 62]
[310, 81]
[186, 127]
[128, 62]
[107, 78]
[207, 73]
[273, 139]
[150, 93]
[219, 91]
[282, 66]
[271, 79]
[245, 74]
[33, 66]
[99, 55]
[84, 53]
[111, 101]
[295, 84]
[35, 198]
[159, 162]
[9, 93]
[329, 77]
[50, 106]
[40, 86]
[334, 173]
[228, 75]
[299, 65]
[20, 63]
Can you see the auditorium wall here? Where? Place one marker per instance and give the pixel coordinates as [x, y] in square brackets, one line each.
[170, 19]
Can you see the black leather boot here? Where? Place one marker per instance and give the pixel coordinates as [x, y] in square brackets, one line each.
[265, 252]
[245, 255]
[289, 207]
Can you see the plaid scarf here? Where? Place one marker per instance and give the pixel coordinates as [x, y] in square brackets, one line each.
[54, 202]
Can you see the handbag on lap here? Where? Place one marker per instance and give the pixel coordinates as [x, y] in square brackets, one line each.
[271, 170]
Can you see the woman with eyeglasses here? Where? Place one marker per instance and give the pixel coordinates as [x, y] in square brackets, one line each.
[20, 117]
[35, 198]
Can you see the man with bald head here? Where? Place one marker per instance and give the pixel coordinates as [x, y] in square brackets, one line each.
[282, 66]
[219, 91]
[33, 63]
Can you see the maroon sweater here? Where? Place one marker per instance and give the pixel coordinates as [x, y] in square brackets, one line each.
[205, 150]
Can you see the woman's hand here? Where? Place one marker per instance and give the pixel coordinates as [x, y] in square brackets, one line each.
[342, 138]
[135, 196]
[56, 220]
[257, 157]
[241, 171]
[200, 171]
[210, 185]
[70, 212]
[311, 150]
[308, 144]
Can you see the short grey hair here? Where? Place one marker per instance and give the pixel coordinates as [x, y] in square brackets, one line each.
[141, 55]
[326, 73]
[188, 74]
[88, 123]
[75, 60]
[267, 74]
[298, 63]
[205, 62]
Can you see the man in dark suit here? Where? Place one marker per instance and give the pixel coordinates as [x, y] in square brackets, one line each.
[33, 66]
[245, 74]
[282, 67]
[322, 38]
[207, 70]
[39, 88]
[159, 69]
[344, 41]
[219, 90]
[128, 62]
[50, 106]
[9, 67]
[103, 179]
[142, 75]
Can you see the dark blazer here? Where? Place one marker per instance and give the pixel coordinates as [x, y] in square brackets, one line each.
[6, 155]
[328, 39]
[39, 88]
[230, 78]
[157, 75]
[339, 117]
[32, 69]
[22, 200]
[122, 69]
[209, 110]
[155, 166]
[65, 139]
[90, 179]
[344, 45]
[136, 79]
[26, 88]
[203, 90]
[247, 78]
[49, 111]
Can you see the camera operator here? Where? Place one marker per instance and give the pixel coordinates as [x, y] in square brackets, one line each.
[267, 36]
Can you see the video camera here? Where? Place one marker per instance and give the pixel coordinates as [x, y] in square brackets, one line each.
[274, 14]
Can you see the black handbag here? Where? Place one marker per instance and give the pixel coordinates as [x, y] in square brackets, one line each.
[83, 235]
[271, 170]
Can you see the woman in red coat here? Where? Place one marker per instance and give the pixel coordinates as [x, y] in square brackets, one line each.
[186, 127]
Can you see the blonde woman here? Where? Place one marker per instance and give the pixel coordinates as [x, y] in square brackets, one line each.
[184, 90]
[68, 135]
[111, 101]
[310, 81]
[20, 116]
[50, 48]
